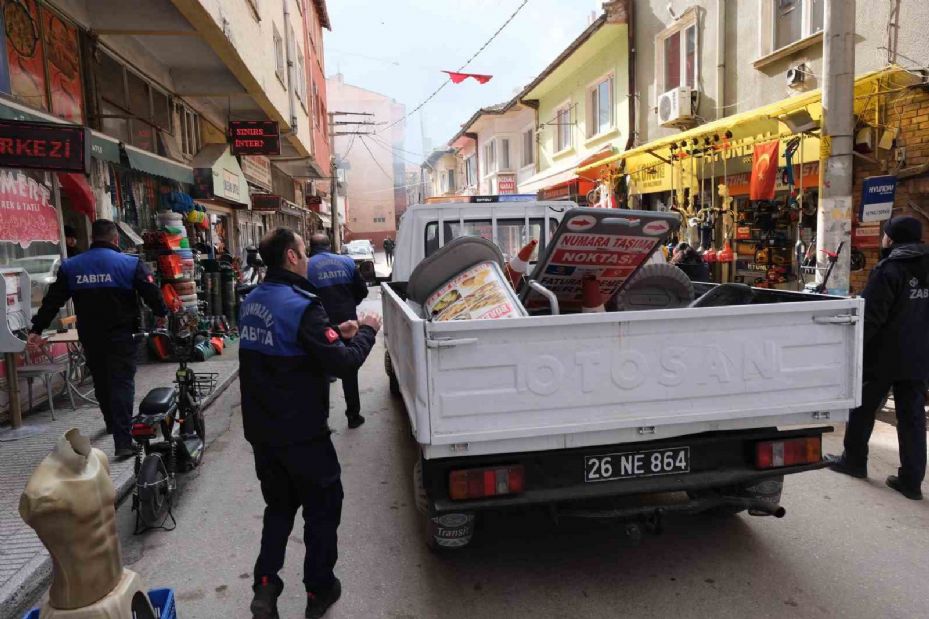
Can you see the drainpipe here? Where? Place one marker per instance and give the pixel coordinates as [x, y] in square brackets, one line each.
[631, 69]
[288, 43]
[720, 58]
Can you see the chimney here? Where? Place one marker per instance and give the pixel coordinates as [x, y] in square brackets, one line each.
[617, 11]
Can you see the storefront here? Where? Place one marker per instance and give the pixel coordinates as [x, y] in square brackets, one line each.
[221, 187]
[747, 184]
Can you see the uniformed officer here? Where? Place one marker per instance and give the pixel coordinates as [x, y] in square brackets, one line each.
[103, 283]
[340, 287]
[289, 347]
[896, 356]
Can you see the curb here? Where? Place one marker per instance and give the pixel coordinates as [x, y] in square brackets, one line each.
[36, 576]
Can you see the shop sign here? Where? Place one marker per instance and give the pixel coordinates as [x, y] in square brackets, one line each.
[231, 186]
[877, 198]
[266, 202]
[44, 146]
[866, 237]
[257, 170]
[25, 212]
[314, 203]
[559, 192]
[506, 183]
[255, 137]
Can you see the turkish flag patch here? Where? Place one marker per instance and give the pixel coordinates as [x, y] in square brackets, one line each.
[150, 279]
[331, 335]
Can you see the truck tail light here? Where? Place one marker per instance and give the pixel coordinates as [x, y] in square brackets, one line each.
[480, 483]
[789, 452]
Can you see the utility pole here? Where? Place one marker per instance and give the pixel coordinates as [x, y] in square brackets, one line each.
[834, 218]
[333, 169]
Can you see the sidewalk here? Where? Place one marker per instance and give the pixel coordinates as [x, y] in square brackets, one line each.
[25, 566]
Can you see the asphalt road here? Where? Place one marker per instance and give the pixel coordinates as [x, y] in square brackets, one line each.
[847, 548]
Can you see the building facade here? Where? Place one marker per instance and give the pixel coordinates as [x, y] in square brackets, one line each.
[373, 164]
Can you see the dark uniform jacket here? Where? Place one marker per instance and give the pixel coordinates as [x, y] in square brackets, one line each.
[288, 349]
[338, 284]
[103, 283]
[896, 325]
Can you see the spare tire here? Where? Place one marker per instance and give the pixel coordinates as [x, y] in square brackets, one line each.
[656, 286]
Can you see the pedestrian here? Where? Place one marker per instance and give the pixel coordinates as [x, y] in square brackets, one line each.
[288, 347]
[103, 283]
[71, 242]
[896, 356]
[340, 287]
[389, 250]
[688, 260]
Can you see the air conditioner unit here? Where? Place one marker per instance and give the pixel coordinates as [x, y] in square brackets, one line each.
[796, 75]
[675, 106]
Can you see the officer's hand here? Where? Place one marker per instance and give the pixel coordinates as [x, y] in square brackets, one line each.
[348, 329]
[35, 342]
[370, 320]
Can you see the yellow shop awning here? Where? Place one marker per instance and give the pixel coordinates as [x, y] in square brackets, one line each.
[760, 124]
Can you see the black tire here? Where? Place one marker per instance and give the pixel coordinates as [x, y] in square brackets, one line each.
[656, 286]
[391, 377]
[154, 495]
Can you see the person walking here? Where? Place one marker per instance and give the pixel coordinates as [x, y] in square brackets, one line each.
[103, 283]
[289, 346]
[340, 287]
[389, 250]
[896, 356]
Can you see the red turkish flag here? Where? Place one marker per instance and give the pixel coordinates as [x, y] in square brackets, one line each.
[764, 171]
[457, 78]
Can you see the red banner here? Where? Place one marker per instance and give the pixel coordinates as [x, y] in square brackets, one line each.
[24, 50]
[25, 212]
[64, 70]
[764, 171]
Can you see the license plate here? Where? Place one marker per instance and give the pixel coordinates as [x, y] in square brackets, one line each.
[648, 463]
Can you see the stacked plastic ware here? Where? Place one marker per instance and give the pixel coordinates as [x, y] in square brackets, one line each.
[176, 263]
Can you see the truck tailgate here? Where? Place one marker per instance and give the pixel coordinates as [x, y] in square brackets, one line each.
[579, 379]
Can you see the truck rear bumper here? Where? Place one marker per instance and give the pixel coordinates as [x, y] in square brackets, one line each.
[720, 461]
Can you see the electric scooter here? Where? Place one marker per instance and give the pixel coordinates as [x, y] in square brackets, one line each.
[169, 430]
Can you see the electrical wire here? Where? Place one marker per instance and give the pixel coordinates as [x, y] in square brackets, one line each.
[395, 153]
[376, 162]
[467, 62]
[397, 148]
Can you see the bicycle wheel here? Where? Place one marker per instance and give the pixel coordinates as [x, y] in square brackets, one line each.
[154, 494]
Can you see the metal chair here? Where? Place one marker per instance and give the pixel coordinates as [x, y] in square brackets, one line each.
[42, 365]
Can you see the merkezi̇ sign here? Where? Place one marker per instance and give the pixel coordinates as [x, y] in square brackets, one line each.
[44, 146]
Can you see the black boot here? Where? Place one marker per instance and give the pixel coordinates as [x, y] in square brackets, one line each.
[914, 494]
[840, 464]
[317, 603]
[264, 604]
[355, 420]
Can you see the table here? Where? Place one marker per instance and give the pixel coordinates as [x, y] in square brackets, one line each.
[77, 365]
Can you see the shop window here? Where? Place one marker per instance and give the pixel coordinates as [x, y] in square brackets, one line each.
[451, 180]
[563, 125]
[677, 49]
[113, 122]
[511, 236]
[600, 113]
[528, 147]
[280, 69]
[301, 78]
[380, 220]
[504, 153]
[189, 130]
[796, 19]
[43, 61]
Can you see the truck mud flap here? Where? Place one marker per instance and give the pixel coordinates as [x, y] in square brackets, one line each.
[451, 530]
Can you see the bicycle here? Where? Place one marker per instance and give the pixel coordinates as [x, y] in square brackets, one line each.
[175, 416]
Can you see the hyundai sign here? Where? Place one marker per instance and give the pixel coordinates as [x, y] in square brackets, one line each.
[877, 198]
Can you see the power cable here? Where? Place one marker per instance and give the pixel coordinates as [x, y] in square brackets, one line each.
[376, 162]
[448, 80]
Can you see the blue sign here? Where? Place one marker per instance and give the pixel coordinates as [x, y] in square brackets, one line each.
[877, 198]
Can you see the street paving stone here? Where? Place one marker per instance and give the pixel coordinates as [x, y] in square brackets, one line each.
[24, 562]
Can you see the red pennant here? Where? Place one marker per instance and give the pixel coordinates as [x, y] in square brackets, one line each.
[764, 171]
[457, 78]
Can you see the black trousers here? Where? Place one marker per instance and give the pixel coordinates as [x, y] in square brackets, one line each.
[303, 475]
[352, 397]
[909, 400]
[112, 365]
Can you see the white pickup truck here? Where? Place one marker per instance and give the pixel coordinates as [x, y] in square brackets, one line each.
[593, 414]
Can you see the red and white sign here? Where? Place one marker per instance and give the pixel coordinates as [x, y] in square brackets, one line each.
[25, 212]
[656, 227]
[582, 222]
[506, 184]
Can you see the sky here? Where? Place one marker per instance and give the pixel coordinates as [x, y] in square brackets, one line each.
[400, 47]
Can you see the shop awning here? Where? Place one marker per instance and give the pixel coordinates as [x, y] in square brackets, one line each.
[761, 124]
[549, 178]
[218, 175]
[155, 165]
[326, 219]
[79, 193]
[104, 148]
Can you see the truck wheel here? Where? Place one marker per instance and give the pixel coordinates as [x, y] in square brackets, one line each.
[391, 377]
[442, 532]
